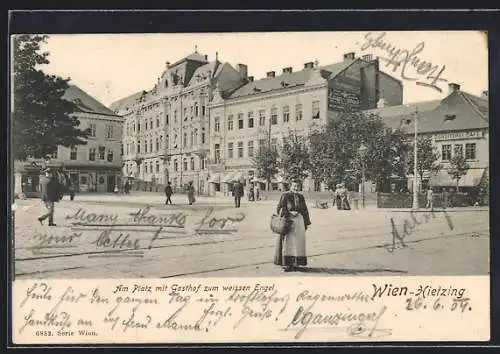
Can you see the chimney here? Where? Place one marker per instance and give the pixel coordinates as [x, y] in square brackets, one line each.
[206, 57]
[367, 57]
[452, 87]
[287, 70]
[168, 64]
[250, 78]
[309, 65]
[270, 74]
[484, 94]
[243, 70]
[349, 56]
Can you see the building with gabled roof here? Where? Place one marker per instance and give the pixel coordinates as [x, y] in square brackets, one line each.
[262, 112]
[94, 167]
[457, 124]
[166, 128]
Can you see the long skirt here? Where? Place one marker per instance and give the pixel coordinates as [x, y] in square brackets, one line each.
[291, 248]
[191, 198]
[338, 201]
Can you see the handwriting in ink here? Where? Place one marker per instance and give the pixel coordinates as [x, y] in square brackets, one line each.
[405, 59]
[83, 217]
[112, 240]
[210, 222]
[60, 320]
[143, 216]
[53, 241]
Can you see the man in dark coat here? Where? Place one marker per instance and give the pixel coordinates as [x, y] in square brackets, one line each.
[49, 194]
[237, 193]
[168, 193]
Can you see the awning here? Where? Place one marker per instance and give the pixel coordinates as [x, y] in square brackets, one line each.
[471, 179]
[228, 177]
[215, 178]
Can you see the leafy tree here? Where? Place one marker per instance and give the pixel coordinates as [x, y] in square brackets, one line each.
[295, 157]
[458, 168]
[334, 150]
[267, 164]
[42, 119]
[427, 157]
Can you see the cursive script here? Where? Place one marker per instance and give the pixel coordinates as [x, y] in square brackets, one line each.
[212, 224]
[408, 61]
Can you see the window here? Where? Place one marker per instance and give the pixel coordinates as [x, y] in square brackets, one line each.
[184, 140]
[139, 147]
[146, 167]
[92, 127]
[110, 155]
[202, 110]
[315, 110]
[191, 139]
[217, 153]
[151, 145]
[230, 122]
[240, 149]
[230, 150]
[157, 144]
[176, 137]
[286, 114]
[146, 146]
[157, 122]
[175, 116]
[262, 117]
[202, 164]
[250, 148]
[176, 166]
[102, 152]
[121, 149]
[240, 120]
[185, 164]
[92, 154]
[274, 143]
[470, 151]
[458, 150]
[217, 124]
[203, 136]
[192, 163]
[250, 119]
[166, 119]
[196, 110]
[185, 113]
[73, 153]
[446, 152]
[262, 143]
[109, 131]
[157, 166]
[274, 116]
[133, 126]
[195, 141]
[138, 127]
[161, 141]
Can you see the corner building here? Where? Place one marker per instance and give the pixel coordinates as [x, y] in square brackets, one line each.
[262, 112]
[166, 129]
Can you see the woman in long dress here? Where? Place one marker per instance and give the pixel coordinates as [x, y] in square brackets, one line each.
[190, 193]
[291, 247]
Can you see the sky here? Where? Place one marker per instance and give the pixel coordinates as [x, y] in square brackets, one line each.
[112, 66]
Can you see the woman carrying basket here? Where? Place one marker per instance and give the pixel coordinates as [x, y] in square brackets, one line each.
[291, 244]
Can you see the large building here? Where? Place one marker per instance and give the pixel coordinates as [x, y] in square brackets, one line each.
[166, 129]
[457, 124]
[95, 166]
[262, 112]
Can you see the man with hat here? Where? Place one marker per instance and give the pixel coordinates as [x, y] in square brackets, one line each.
[237, 193]
[49, 194]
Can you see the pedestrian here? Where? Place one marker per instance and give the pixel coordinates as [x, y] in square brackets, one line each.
[430, 199]
[250, 193]
[291, 247]
[344, 197]
[256, 191]
[127, 187]
[237, 193]
[190, 193]
[49, 194]
[168, 192]
[446, 198]
[338, 196]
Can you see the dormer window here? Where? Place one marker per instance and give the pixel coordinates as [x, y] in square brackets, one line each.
[256, 89]
[449, 117]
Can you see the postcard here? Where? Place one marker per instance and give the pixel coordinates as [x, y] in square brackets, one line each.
[258, 187]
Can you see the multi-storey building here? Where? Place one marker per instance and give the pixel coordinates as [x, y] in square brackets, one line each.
[263, 112]
[166, 129]
[457, 124]
[94, 167]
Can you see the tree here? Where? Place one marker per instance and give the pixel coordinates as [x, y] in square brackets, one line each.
[266, 163]
[334, 150]
[458, 168]
[295, 157]
[42, 119]
[427, 157]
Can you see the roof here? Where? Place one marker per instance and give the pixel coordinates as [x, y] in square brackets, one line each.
[85, 102]
[458, 111]
[126, 101]
[293, 79]
[193, 57]
[214, 67]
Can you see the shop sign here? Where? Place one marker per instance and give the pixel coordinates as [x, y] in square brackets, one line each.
[459, 135]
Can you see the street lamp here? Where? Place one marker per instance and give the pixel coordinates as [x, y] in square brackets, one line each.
[362, 153]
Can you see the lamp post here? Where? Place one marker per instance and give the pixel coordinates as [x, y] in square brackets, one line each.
[415, 162]
[362, 153]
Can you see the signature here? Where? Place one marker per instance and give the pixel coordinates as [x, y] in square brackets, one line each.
[360, 324]
[406, 60]
[410, 226]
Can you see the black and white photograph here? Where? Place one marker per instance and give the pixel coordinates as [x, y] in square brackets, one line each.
[271, 154]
